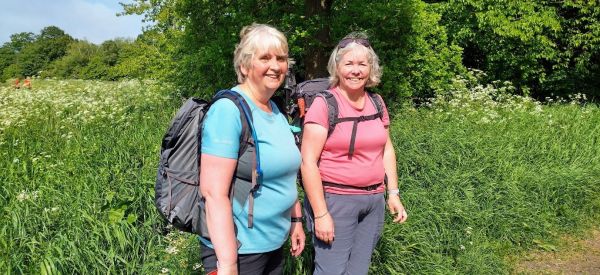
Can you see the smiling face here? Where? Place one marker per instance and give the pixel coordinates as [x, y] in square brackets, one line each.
[266, 70]
[353, 70]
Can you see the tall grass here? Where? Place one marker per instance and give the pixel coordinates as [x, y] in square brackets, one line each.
[77, 175]
[483, 175]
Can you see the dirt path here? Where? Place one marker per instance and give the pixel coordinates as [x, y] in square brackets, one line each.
[572, 257]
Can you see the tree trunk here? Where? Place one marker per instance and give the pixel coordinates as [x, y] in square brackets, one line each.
[317, 55]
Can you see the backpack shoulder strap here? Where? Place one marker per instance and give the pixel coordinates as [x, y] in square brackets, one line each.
[332, 110]
[247, 137]
[377, 102]
[245, 116]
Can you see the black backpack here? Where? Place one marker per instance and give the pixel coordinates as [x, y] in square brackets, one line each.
[301, 96]
[177, 188]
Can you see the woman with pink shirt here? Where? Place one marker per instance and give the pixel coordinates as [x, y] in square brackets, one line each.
[345, 172]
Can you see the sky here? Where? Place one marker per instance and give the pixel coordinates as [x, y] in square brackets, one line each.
[92, 20]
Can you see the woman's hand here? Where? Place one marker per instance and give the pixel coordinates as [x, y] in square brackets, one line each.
[396, 208]
[324, 229]
[297, 237]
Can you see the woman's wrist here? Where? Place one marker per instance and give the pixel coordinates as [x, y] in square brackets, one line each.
[394, 191]
[297, 219]
[231, 265]
[322, 215]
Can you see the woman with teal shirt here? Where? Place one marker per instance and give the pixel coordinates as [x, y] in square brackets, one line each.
[261, 63]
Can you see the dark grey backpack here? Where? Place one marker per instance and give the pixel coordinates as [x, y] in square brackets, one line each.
[177, 188]
[303, 94]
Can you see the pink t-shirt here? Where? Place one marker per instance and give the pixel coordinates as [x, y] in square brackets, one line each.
[366, 166]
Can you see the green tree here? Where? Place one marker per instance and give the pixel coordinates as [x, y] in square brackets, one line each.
[19, 40]
[405, 33]
[543, 47]
[111, 50]
[579, 69]
[7, 58]
[75, 62]
[9, 52]
[35, 57]
[143, 59]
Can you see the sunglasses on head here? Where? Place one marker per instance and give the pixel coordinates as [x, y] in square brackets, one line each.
[344, 42]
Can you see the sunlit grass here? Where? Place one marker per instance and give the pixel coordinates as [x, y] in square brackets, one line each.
[485, 174]
[78, 173]
[482, 173]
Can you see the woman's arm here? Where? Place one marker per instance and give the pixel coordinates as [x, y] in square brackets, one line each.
[297, 236]
[215, 177]
[313, 140]
[389, 164]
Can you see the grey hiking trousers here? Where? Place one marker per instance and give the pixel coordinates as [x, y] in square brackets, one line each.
[358, 223]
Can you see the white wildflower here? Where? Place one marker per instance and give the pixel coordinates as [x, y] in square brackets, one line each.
[197, 266]
[23, 196]
[172, 250]
[484, 120]
[53, 209]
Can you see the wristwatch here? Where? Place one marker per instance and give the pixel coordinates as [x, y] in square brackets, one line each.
[297, 219]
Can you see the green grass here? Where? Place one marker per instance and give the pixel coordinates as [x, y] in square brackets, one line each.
[483, 175]
[483, 179]
[78, 178]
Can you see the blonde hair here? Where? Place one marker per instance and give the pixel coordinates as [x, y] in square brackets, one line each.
[338, 53]
[255, 38]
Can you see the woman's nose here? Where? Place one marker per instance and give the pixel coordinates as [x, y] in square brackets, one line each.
[274, 64]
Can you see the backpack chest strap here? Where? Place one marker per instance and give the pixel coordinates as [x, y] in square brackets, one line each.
[333, 112]
[355, 121]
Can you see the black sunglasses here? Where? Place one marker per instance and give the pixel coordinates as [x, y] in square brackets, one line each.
[344, 42]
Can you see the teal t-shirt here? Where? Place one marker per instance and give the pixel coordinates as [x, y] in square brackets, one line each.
[280, 161]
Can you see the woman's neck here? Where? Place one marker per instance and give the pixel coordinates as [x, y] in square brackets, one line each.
[355, 97]
[261, 100]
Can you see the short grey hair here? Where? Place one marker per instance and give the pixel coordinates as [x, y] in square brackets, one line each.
[338, 53]
[253, 38]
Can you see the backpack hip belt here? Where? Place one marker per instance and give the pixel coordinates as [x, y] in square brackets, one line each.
[365, 188]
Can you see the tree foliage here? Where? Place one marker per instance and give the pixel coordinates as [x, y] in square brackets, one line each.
[413, 47]
[543, 47]
[54, 53]
[32, 54]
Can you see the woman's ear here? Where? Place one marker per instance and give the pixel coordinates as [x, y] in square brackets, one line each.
[244, 71]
